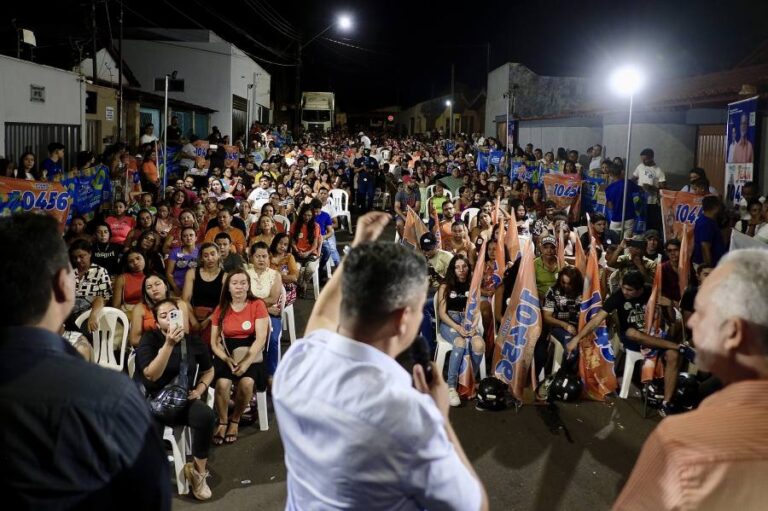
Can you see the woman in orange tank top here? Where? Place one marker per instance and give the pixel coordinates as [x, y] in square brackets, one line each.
[128, 284]
[155, 288]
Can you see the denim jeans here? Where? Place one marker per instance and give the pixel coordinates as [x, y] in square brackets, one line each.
[457, 355]
[274, 341]
[329, 251]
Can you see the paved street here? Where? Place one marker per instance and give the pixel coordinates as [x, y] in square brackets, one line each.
[562, 457]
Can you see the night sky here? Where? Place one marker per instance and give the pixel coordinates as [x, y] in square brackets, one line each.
[400, 52]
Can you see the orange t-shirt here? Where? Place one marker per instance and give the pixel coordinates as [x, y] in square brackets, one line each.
[149, 169]
[238, 238]
[241, 325]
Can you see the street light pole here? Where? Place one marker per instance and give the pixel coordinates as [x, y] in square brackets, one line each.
[165, 140]
[626, 165]
[626, 81]
[345, 23]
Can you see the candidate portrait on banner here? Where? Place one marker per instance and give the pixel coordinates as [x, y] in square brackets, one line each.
[740, 148]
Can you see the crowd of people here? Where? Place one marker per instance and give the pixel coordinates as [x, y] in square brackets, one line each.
[209, 263]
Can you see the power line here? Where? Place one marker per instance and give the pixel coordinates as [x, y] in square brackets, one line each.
[282, 29]
[251, 55]
[277, 18]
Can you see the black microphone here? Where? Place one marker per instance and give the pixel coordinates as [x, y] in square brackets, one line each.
[420, 355]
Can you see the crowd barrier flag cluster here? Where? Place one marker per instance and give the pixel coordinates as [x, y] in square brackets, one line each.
[520, 328]
[471, 320]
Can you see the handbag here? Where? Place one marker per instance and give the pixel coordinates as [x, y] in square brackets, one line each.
[172, 400]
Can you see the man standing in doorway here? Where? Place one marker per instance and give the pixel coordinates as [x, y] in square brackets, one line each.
[651, 179]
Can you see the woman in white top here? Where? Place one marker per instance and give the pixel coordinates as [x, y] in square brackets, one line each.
[267, 284]
[695, 174]
[754, 226]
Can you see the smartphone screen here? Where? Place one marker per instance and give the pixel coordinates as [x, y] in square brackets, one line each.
[175, 319]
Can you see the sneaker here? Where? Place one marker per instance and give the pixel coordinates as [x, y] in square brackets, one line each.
[668, 409]
[197, 482]
[453, 397]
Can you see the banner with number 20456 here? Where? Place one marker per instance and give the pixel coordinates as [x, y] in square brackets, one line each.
[17, 195]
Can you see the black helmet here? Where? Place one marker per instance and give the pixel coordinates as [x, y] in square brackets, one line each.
[566, 386]
[491, 394]
[687, 392]
[653, 392]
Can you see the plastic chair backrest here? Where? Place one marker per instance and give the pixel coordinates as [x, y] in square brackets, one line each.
[340, 199]
[468, 214]
[103, 338]
[430, 191]
[283, 220]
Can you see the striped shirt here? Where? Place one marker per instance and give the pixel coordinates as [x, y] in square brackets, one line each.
[715, 457]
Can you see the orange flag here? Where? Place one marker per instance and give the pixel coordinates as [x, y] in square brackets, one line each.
[499, 260]
[595, 358]
[651, 367]
[684, 265]
[496, 215]
[520, 329]
[413, 229]
[512, 239]
[581, 259]
[466, 371]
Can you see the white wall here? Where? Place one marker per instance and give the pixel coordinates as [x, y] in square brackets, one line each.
[205, 68]
[674, 146]
[495, 103]
[549, 138]
[64, 96]
[242, 73]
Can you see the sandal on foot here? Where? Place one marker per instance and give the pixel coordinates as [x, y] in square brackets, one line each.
[219, 439]
[231, 438]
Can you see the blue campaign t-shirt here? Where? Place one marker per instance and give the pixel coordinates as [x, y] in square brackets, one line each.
[324, 220]
[53, 168]
[707, 230]
[614, 193]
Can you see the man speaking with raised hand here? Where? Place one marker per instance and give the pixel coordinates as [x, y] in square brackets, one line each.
[357, 434]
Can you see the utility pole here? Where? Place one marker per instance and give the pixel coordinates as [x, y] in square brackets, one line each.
[297, 94]
[120, 77]
[93, 31]
[450, 130]
[487, 60]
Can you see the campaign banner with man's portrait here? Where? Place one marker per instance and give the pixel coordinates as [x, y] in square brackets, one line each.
[565, 191]
[741, 137]
[677, 210]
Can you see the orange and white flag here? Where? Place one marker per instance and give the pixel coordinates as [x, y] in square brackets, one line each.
[471, 320]
[596, 357]
[520, 329]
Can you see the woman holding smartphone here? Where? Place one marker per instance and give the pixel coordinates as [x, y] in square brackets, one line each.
[159, 362]
[240, 326]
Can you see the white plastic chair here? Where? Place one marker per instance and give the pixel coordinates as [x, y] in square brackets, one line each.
[631, 358]
[446, 194]
[341, 203]
[289, 322]
[177, 437]
[444, 347]
[103, 337]
[468, 215]
[283, 220]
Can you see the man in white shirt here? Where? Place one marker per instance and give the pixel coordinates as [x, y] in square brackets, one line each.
[188, 153]
[364, 140]
[651, 179]
[260, 196]
[597, 160]
[148, 137]
[356, 433]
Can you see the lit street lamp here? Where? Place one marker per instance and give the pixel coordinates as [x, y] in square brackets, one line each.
[626, 81]
[449, 104]
[344, 22]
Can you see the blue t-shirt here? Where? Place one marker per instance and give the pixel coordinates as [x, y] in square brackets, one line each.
[614, 193]
[707, 230]
[324, 220]
[54, 168]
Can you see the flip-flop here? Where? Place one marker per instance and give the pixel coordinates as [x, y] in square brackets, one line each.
[219, 439]
[231, 438]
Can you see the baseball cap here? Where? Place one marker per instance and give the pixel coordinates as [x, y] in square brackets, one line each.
[360, 134]
[428, 241]
[652, 233]
[638, 241]
[548, 239]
